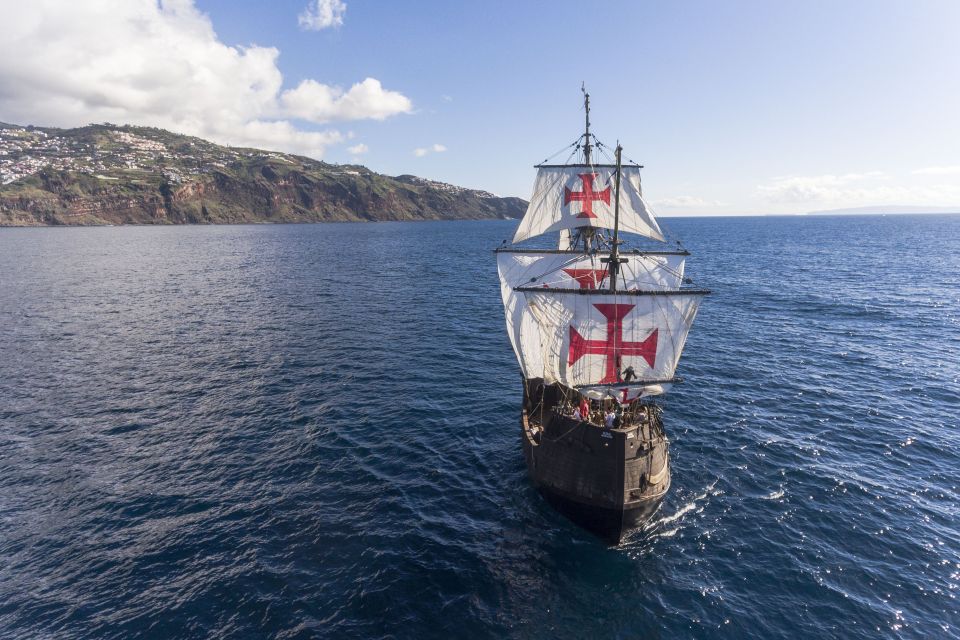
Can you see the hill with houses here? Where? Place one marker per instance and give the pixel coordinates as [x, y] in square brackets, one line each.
[112, 174]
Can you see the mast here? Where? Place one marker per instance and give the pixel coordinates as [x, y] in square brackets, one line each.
[614, 261]
[586, 135]
[585, 233]
[587, 225]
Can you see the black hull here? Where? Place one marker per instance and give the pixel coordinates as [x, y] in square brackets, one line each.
[607, 523]
[607, 481]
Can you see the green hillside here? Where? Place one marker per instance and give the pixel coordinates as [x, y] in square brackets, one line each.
[109, 174]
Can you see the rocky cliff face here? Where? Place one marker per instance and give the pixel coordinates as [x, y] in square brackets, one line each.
[134, 175]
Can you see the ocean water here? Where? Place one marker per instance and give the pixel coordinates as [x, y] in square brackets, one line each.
[312, 431]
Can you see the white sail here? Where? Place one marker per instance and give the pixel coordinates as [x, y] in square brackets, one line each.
[588, 341]
[515, 270]
[571, 196]
[641, 271]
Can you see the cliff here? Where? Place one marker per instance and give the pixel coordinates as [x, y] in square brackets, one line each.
[108, 174]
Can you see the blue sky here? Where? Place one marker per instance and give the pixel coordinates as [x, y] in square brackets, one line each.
[733, 107]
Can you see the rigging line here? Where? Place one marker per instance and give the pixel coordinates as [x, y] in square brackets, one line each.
[543, 393]
[606, 155]
[573, 260]
[572, 429]
[665, 267]
[609, 158]
[669, 235]
[547, 186]
[561, 150]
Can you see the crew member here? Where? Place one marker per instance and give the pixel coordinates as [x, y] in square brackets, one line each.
[609, 418]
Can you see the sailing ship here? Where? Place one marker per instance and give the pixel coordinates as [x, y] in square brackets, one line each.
[598, 328]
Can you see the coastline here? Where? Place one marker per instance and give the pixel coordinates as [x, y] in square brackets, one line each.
[820, 216]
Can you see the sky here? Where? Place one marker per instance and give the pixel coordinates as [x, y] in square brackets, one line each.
[737, 107]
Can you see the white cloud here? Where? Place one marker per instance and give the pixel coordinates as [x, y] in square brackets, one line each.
[282, 136]
[358, 149]
[365, 100]
[162, 64]
[855, 190]
[322, 14]
[937, 171]
[686, 202]
[801, 189]
[434, 148]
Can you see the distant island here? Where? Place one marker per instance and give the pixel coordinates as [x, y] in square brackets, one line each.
[884, 210]
[112, 174]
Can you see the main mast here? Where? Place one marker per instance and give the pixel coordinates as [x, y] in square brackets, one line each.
[585, 233]
[614, 261]
[586, 135]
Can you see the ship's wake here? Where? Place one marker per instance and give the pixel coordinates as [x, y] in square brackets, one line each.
[668, 525]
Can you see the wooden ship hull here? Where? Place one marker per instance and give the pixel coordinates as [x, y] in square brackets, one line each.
[607, 481]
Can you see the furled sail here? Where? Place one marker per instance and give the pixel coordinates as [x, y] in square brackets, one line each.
[571, 196]
[587, 340]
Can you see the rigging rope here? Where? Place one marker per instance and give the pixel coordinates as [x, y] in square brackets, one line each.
[572, 429]
[575, 143]
[543, 393]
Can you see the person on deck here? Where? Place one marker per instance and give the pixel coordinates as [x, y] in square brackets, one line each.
[585, 409]
[642, 415]
[609, 418]
[629, 374]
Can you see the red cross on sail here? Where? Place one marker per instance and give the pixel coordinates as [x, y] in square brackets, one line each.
[587, 278]
[587, 197]
[613, 347]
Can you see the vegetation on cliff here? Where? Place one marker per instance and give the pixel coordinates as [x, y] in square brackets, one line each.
[109, 174]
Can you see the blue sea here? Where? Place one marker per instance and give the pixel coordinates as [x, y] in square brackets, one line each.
[311, 431]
